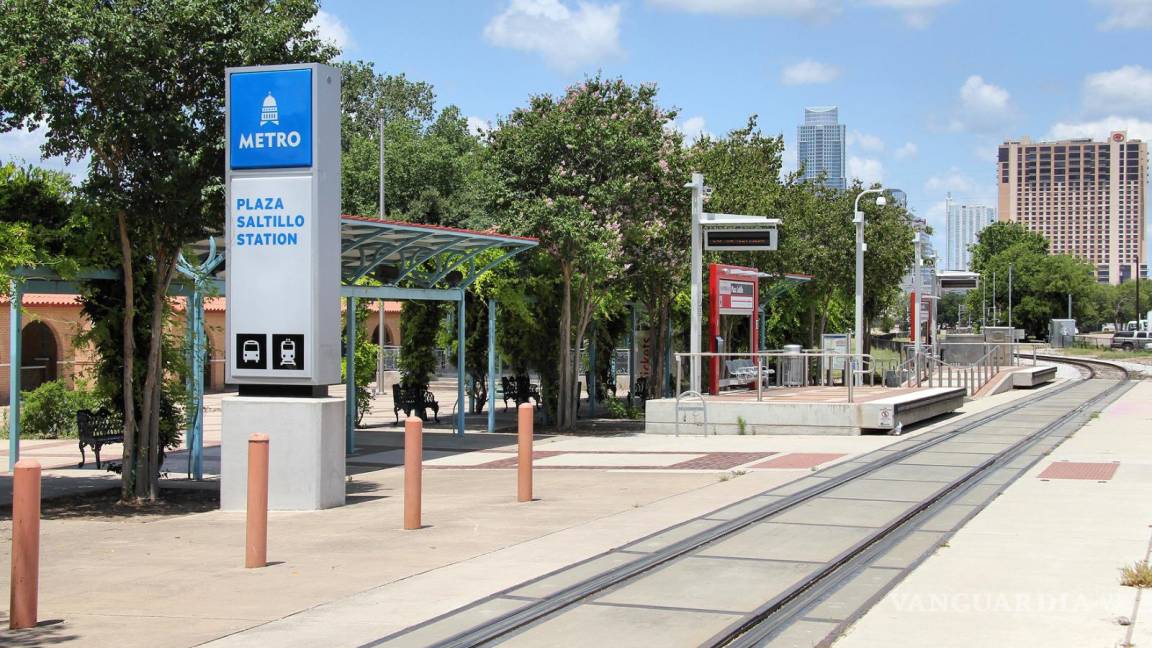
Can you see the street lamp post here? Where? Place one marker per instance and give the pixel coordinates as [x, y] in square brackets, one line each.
[858, 219]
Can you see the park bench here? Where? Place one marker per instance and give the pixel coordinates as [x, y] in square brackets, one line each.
[96, 430]
[641, 388]
[744, 371]
[519, 390]
[414, 399]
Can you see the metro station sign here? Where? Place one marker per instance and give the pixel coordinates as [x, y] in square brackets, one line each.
[283, 224]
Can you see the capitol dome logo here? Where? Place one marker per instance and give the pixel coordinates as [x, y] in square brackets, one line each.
[269, 112]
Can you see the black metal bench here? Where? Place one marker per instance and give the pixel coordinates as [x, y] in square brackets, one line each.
[414, 399]
[520, 390]
[641, 389]
[98, 428]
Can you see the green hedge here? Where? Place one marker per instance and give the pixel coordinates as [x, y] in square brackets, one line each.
[49, 411]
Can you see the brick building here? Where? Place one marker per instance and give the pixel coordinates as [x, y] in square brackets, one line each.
[51, 324]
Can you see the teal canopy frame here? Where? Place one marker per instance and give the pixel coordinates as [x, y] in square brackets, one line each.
[411, 261]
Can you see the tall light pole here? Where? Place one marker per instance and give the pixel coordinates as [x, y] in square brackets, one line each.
[697, 187]
[858, 218]
[1009, 295]
[917, 278]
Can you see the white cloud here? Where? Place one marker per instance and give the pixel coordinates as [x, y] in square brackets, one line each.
[865, 142]
[692, 128]
[567, 39]
[866, 170]
[1126, 14]
[918, 14]
[954, 181]
[331, 29]
[1127, 90]
[23, 147]
[1100, 128]
[809, 73]
[805, 8]
[908, 150]
[478, 126]
[984, 106]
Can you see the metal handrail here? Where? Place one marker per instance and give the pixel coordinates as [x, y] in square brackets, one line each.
[851, 363]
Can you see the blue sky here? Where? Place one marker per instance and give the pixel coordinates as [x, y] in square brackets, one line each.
[927, 88]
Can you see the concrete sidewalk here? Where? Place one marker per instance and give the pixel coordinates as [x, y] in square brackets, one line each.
[1040, 566]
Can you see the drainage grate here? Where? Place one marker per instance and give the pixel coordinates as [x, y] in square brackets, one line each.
[1080, 470]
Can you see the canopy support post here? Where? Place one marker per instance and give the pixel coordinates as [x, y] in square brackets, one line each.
[350, 375]
[14, 362]
[632, 356]
[460, 332]
[491, 365]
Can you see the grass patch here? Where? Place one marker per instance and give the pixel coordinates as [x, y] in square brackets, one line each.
[1138, 574]
[1108, 354]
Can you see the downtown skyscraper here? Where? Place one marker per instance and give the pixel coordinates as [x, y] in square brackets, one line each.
[820, 146]
[964, 223]
[1089, 199]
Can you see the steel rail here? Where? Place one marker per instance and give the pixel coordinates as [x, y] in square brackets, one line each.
[786, 608]
[529, 615]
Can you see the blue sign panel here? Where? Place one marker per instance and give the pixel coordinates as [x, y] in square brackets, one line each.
[270, 119]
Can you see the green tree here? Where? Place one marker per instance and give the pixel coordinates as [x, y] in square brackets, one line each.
[138, 85]
[575, 171]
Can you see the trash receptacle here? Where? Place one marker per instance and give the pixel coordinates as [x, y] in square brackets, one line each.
[793, 369]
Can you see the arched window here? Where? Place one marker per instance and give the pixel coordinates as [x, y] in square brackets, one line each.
[38, 356]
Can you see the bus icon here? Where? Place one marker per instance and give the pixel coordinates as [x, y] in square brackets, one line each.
[251, 352]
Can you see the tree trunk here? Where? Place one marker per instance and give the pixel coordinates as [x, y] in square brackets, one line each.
[149, 455]
[127, 481]
[657, 344]
[564, 395]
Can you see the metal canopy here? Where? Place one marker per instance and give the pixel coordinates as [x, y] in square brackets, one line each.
[400, 253]
[411, 262]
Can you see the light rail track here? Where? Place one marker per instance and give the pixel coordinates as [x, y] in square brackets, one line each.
[770, 559]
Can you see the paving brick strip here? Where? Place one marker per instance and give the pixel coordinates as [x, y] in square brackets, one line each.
[794, 565]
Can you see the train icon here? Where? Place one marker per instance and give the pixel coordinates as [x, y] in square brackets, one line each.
[288, 353]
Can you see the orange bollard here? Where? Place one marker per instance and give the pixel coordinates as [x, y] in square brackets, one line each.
[524, 462]
[256, 538]
[413, 460]
[25, 544]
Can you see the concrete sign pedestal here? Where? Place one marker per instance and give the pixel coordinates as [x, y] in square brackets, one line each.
[306, 451]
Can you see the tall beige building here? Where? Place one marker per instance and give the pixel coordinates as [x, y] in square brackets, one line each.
[1088, 198]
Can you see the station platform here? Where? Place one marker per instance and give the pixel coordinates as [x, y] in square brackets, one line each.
[802, 410]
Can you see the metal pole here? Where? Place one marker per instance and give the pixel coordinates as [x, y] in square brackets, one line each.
[200, 348]
[460, 333]
[381, 336]
[917, 277]
[350, 375]
[665, 380]
[1010, 297]
[632, 357]
[995, 312]
[697, 186]
[592, 372]
[983, 303]
[380, 125]
[491, 365]
[1070, 307]
[14, 362]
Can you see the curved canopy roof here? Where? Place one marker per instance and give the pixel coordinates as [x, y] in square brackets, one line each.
[396, 252]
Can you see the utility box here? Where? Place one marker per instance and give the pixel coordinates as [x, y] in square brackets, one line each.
[1061, 333]
[999, 341]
